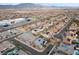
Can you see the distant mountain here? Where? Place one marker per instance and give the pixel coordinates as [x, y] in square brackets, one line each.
[64, 7]
[22, 5]
[28, 5]
[6, 6]
[32, 5]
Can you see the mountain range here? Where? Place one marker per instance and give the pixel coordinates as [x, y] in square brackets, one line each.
[22, 5]
[32, 5]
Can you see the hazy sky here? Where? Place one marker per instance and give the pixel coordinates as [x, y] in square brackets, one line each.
[9, 3]
[48, 4]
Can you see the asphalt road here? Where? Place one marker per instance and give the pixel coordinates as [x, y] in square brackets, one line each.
[59, 34]
[31, 50]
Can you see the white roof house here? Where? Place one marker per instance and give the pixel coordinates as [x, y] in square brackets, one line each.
[39, 42]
